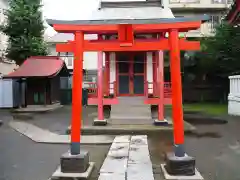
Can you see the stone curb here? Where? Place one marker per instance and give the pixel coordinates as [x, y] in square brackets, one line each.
[39, 135]
[131, 129]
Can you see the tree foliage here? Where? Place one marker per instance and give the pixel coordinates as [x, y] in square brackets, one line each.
[24, 27]
[222, 51]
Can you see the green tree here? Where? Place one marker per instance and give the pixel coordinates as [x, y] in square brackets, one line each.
[24, 27]
[223, 50]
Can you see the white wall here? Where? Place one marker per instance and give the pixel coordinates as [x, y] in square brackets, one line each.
[234, 96]
[89, 63]
[112, 71]
[150, 71]
[90, 58]
[3, 37]
[206, 28]
[6, 93]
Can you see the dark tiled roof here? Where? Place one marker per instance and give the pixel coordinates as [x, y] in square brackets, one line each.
[129, 4]
[130, 21]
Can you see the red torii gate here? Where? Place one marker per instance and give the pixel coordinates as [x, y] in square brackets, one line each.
[126, 42]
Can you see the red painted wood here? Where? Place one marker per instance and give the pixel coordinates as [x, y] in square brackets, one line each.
[176, 87]
[130, 74]
[130, 33]
[85, 28]
[106, 101]
[139, 45]
[155, 101]
[122, 33]
[182, 26]
[100, 86]
[65, 47]
[125, 35]
[77, 88]
[96, 29]
[161, 86]
[233, 15]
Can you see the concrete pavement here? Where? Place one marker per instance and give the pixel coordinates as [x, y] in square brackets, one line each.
[215, 147]
[23, 159]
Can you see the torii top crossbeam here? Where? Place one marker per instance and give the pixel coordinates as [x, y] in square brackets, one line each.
[126, 29]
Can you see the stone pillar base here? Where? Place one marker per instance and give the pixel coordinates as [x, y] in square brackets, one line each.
[180, 166]
[75, 163]
[98, 122]
[163, 122]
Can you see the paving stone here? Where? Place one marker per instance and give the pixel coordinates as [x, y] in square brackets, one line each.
[111, 176]
[139, 140]
[139, 154]
[114, 165]
[122, 139]
[140, 172]
[119, 150]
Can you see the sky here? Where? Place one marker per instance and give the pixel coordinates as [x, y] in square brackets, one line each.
[71, 9]
[67, 10]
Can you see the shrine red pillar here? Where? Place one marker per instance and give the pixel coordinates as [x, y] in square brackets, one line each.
[77, 94]
[100, 120]
[176, 93]
[100, 86]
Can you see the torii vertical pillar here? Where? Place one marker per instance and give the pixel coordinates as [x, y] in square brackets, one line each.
[177, 163]
[77, 161]
[100, 120]
[77, 94]
[160, 88]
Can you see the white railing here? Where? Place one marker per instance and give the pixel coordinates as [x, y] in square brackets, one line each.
[234, 95]
[183, 1]
[200, 3]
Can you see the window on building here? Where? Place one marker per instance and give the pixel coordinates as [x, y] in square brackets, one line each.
[69, 57]
[215, 21]
[183, 1]
[219, 1]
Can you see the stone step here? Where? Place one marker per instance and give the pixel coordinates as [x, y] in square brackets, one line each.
[130, 110]
[131, 113]
[131, 101]
[118, 118]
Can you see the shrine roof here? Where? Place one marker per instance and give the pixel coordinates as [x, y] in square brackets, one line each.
[39, 66]
[136, 20]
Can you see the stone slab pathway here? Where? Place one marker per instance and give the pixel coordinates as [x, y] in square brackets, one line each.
[128, 159]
